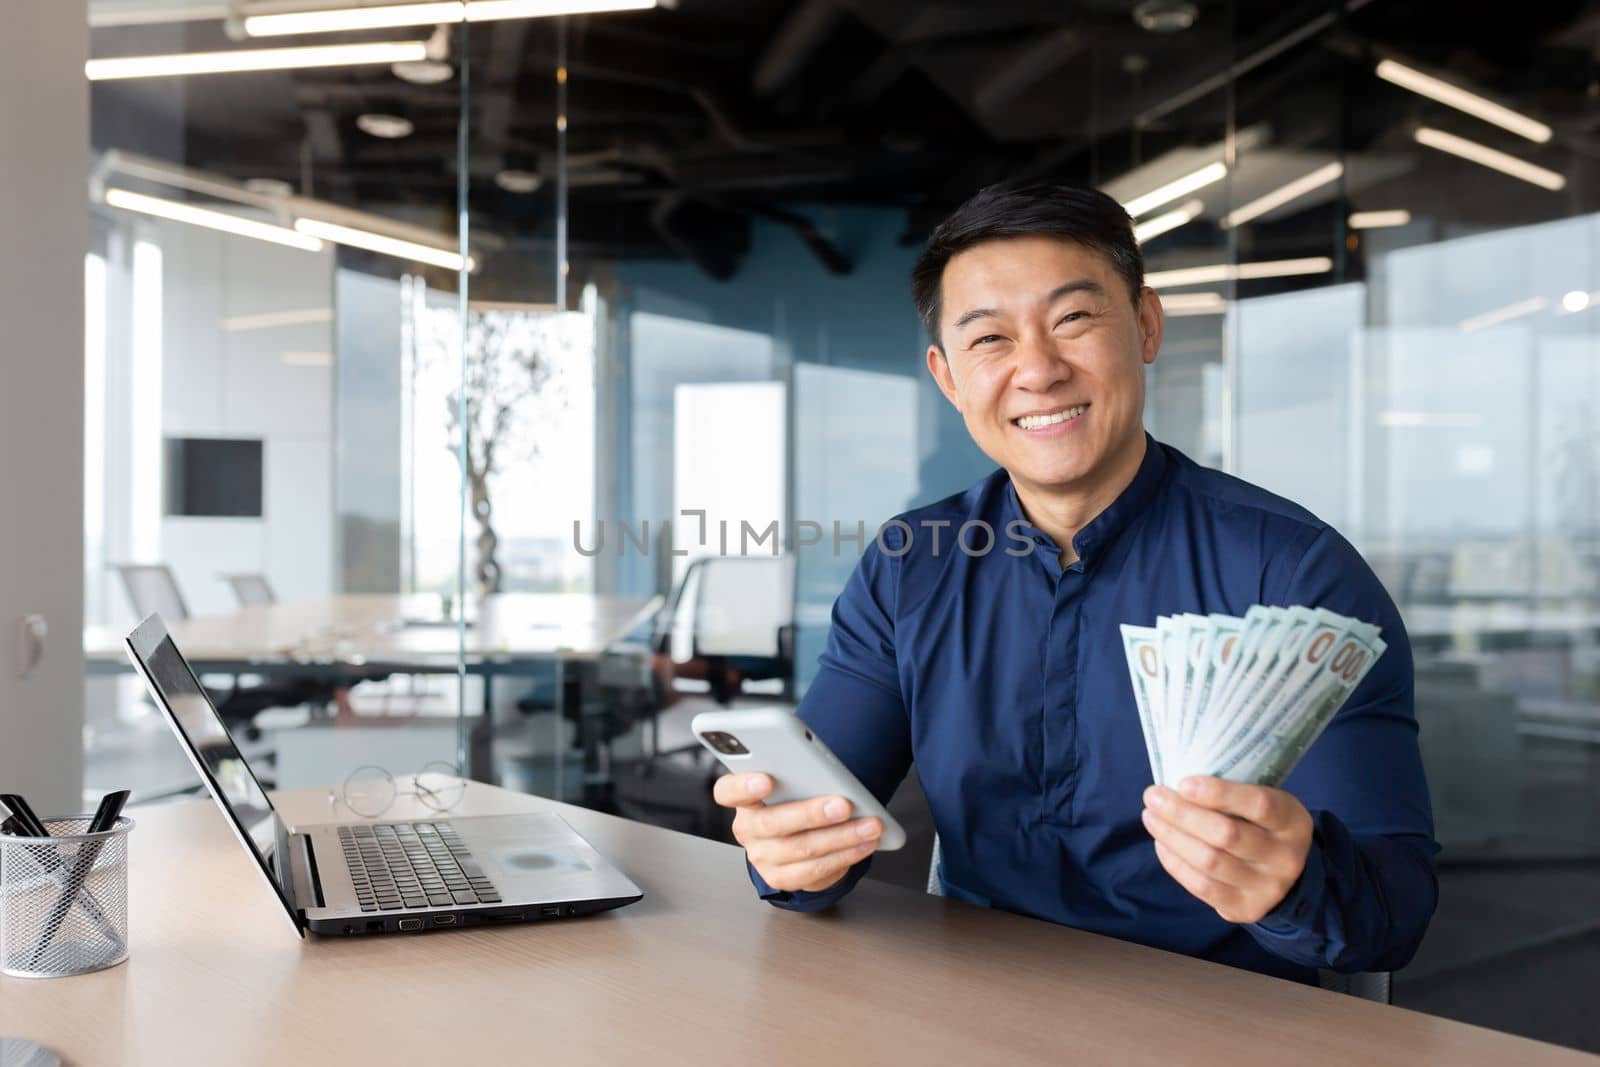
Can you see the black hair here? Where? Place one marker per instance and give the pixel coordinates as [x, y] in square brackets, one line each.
[1084, 216]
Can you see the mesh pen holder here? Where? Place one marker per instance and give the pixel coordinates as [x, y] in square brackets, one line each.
[64, 899]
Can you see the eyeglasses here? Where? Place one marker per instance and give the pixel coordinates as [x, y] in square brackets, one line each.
[370, 790]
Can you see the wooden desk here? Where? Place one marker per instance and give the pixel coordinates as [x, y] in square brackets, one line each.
[699, 972]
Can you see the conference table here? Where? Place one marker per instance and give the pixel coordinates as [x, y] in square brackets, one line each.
[345, 637]
[699, 972]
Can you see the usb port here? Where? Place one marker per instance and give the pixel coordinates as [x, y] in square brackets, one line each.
[550, 911]
[444, 920]
[410, 924]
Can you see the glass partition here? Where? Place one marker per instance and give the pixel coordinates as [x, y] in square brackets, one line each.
[259, 470]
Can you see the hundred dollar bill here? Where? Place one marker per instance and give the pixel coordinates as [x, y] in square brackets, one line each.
[1280, 700]
[1273, 657]
[1341, 668]
[1259, 622]
[1174, 637]
[1142, 647]
[1288, 710]
[1213, 643]
[1196, 636]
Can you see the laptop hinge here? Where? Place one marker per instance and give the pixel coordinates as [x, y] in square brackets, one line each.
[283, 864]
[313, 876]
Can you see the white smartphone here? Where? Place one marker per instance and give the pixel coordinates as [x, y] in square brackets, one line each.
[774, 742]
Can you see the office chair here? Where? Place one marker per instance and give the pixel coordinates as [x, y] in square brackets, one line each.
[251, 589]
[728, 623]
[153, 590]
[1368, 985]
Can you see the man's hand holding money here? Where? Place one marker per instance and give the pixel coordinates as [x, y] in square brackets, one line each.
[1239, 848]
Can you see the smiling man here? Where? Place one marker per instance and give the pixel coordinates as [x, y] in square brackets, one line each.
[979, 637]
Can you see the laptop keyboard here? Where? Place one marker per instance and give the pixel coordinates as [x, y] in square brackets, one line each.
[418, 865]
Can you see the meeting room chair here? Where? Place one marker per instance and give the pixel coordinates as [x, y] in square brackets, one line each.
[1368, 985]
[251, 589]
[152, 589]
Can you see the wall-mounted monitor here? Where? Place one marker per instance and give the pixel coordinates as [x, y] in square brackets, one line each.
[214, 477]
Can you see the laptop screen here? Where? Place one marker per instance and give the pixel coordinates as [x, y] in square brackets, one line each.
[206, 741]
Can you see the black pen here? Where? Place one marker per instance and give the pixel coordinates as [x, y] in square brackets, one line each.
[22, 816]
[105, 817]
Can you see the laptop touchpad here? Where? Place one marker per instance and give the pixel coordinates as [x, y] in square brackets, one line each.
[534, 860]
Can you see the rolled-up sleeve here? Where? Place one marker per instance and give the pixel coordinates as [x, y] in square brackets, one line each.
[1370, 884]
[854, 704]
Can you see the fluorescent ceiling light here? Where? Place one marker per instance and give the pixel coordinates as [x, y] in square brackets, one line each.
[377, 242]
[1166, 194]
[1179, 305]
[1377, 220]
[308, 359]
[1461, 420]
[104, 15]
[1477, 153]
[1458, 98]
[1161, 224]
[1279, 197]
[212, 220]
[324, 55]
[1222, 272]
[1530, 306]
[333, 20]
[267, 320]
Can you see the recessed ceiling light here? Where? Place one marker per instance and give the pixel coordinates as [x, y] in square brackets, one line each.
[424, 71]
[388, 127]
[518, 181]
[1165, 16]
[276, 187]
[1375, 220]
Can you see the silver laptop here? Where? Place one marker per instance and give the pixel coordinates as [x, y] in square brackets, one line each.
[371, 877]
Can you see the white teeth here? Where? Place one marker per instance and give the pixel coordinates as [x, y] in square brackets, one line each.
[1035, 422]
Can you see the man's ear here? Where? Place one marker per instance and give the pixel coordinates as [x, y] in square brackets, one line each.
[1152, 324]
[939, 367]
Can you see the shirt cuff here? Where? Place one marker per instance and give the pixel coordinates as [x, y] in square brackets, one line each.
[1297, 912]
[800, 900]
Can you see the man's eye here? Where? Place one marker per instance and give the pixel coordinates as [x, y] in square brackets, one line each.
[987, 338]
[1073, 316]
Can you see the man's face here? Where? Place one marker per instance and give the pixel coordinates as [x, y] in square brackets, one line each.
[1044, 356]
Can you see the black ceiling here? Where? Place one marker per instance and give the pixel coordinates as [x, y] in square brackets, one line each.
[686, 123]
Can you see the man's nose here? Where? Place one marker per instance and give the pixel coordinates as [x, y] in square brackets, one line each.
[1039, 367]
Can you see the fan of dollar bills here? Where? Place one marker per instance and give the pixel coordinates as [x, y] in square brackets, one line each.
[1243, 699]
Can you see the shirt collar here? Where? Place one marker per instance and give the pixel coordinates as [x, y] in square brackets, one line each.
[1104, 527]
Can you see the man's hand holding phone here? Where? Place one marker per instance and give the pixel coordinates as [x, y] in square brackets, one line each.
[801, 846]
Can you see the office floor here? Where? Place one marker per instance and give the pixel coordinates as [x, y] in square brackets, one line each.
[1511, 948]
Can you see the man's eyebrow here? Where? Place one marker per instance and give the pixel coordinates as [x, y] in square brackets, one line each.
[1077, 285]
[976, 313]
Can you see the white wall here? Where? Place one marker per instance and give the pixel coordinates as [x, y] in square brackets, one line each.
[262, 382]
[45, 128]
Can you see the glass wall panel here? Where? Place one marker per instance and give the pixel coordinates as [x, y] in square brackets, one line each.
[259, 240]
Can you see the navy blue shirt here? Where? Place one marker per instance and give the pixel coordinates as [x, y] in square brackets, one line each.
[1002, 675]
